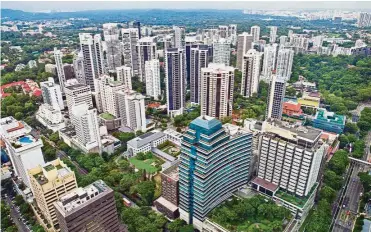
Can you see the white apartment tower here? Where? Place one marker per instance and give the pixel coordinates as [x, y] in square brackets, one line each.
[244, 44]
[146, 48]
[130, 38]
[198, 60]
[86, 125]
[179, 37]
[283, 40]
[250, 73]
[106, 98]
[269, 60]
[78, 66]
[124, 75]
[255, 32]
[92, 57]
[217, 82]
[273, 34]
[59, 65]
[284, 63]
[132, 109]
[232, 32]
[221, 52]
[113, 50]
[52, 94]
[223, 31]
[290, 157]
[78, 94]
[176, 72]
[23, 148]
[153, 84]
[364, 19]
[276, 94]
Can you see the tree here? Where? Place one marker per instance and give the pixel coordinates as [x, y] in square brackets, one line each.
[146, 190]
[339, 162]
[365, 179]
[351, 128]
[176, 225]
[328, 193]
[54, 137]
[333, 180]
[127, 181]
[187, 228]
[343, 139]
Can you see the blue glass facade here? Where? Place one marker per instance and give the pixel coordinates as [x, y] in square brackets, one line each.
[213, 164]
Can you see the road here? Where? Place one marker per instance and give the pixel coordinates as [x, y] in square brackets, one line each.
[13, 212]
[349, 203]
[62, 154]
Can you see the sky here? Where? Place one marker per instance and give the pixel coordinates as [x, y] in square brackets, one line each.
[40, 6]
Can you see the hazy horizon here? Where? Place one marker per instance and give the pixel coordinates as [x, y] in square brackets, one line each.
[67, 6]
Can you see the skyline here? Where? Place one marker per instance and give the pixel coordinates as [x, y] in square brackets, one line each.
[61, 6]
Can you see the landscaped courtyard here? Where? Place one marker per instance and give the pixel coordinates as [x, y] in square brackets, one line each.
[147, 162]
[169, 148]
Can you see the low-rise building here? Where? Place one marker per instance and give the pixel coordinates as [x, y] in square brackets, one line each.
[174, 136]
[110, 121]
[50, 117]
[145, 142]
[292, 109]
[329, 121]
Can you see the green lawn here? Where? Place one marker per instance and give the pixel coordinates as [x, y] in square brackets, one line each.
[167, 150]
[144, 164]
[107, 116]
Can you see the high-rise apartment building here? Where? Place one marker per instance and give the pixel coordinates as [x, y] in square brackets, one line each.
[78, 66]
[124, 75]
[244, 44]
[92, 57]
[283, 40]
[285, 58]
[130, 38]
[221, 52]
[175, 70]
[49, 182]
[198, 60]
[217, 82]
[105, 94]
[290, 156]
[146, 48]
[318, 41]
[223, 31]
[364, 19]
[136, 25]
[86, 125]
[255, 32]
[276, 94]
[269, 60]
[78, 94]
[273, 34]
[59, 65]
[131, 109]
[113, 50]
[179, 37]
[250, 73]
[52, 94]
[232, 32]
[152, 79]
[89, 209]
[22, 145]
[214, 163]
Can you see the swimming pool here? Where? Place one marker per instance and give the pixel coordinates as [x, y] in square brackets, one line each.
[25, 139]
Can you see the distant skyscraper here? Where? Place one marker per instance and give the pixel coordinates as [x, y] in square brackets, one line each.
[284, 63]
[153, 82]
[364, 19]
[92, 57]
[124, 75]
[221, 52]
[250, 73]
[91, 208]
[198, 60]
[105, 94]
[52, 94]
[244, 43]
[283, 40]
[317, 41]
[179, 35]
[132, 110]
[269, 60]
[215, 162]
[130, 38]
[217, 82]
[273, 34]
[289, 35]
[113, 50]
[59, 66]
[223, 31]
[232, 32]
[86, 125]
[136, 25]
[255, 32]
[276, 94]
[175, 69]
[48, 182]
[146, 48]
[78, 94]
[78, 66]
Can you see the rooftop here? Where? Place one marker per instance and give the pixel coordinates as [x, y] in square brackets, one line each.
[76, 86]
[331, 117]
[167, 204]
[145, 139]
[107, 116]
[172, 171]
[265, 184]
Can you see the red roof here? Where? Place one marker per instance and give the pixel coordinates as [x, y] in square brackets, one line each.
[292, 106]
[265, 184]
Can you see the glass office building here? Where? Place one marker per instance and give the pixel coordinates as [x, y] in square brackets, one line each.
[215, 162]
